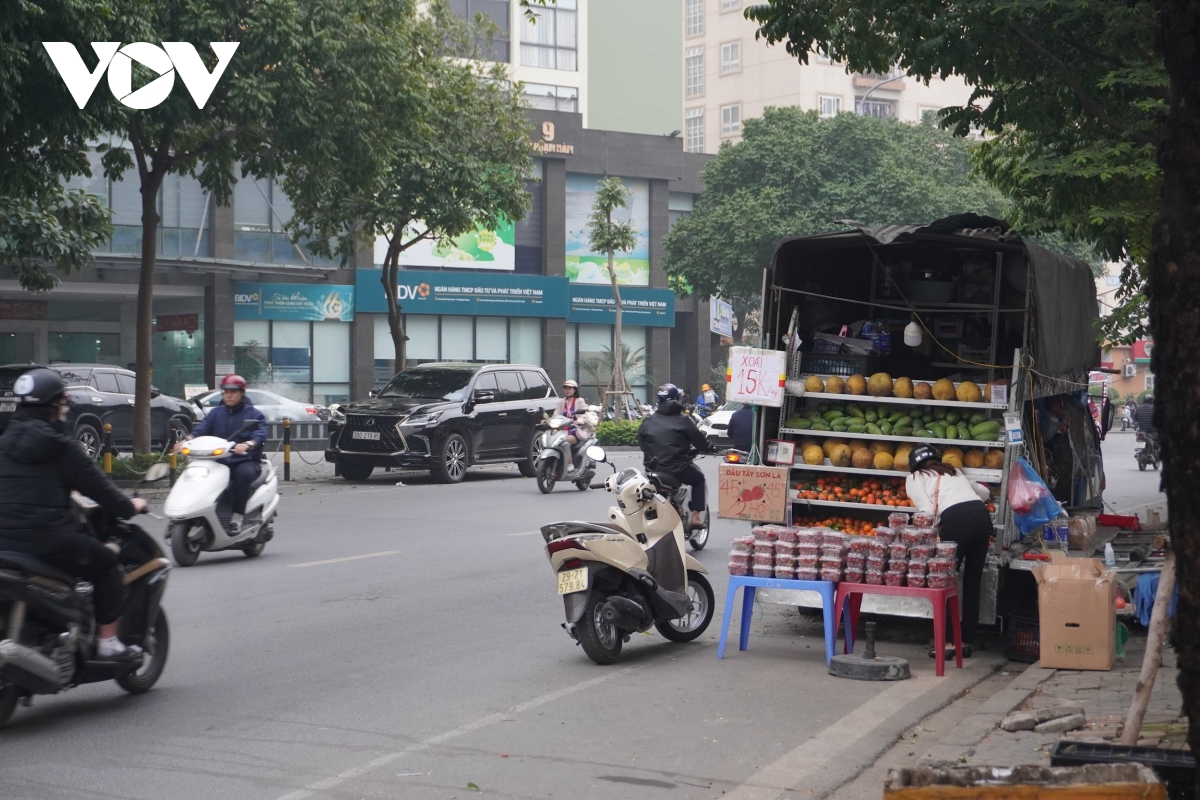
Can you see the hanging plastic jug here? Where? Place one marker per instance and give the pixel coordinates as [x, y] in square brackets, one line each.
[1110, 558]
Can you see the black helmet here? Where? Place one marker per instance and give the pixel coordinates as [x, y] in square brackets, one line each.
[1149, 398]
[668, 391]
[39, 387]
[922, 452]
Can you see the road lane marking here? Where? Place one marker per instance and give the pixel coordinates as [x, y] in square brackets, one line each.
[829, 746]
[525, 533]
[346, 558]
[462, 730]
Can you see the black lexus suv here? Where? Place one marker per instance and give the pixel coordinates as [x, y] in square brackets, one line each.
[444, 418]
[100, 393]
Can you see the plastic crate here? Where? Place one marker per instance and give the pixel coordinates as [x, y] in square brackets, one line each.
[1175, 768]
[843, 364]
[1022, 639]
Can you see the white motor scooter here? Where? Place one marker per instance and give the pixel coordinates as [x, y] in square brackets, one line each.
[200, 499]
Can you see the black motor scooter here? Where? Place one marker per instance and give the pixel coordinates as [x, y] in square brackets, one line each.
[48, 622]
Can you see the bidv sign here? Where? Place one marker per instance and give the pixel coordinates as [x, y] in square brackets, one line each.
[172, 57]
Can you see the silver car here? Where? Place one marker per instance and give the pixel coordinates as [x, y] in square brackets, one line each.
[273, 406]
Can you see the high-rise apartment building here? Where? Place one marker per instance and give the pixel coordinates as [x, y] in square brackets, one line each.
[730, 76]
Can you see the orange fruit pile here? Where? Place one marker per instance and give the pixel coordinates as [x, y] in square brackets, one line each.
[847, 489]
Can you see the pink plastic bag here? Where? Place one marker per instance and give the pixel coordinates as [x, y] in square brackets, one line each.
[1025, 487]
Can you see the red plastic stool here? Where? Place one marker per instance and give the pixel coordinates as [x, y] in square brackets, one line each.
[938, 597]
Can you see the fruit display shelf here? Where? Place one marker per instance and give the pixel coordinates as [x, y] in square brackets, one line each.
[908, 401]
[980, 475]
[849, 506]
[889, 437]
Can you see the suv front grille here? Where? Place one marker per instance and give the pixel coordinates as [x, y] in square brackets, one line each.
[390, 440]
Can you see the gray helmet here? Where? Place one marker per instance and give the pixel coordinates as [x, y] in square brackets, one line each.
[39, 387]
[1149, 398]
[922, 452]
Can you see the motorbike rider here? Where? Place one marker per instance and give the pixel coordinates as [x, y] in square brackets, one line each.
[668, 436]
[40, 465]
[1145, 421]
[707, 400]
[741, 428]
[225, 421]
[572, 406]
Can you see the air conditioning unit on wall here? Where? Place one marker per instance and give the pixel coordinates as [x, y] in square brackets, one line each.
[1130, 370]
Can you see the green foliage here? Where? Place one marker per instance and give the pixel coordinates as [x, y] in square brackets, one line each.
[633, 365]
[605, 234]
[618, 433]
[54, 226]
[794, 173]
[1074, 92]
[133, 468]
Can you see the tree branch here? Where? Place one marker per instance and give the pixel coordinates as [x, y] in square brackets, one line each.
[1073, 83]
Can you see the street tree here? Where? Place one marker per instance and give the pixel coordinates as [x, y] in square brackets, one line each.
[453, 158]
[610, 236]
[1105, 83]
[794, 173]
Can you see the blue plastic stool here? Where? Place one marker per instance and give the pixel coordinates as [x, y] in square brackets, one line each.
[751, 585]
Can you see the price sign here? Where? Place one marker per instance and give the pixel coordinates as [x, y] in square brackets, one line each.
[757, 494]
[756, 376]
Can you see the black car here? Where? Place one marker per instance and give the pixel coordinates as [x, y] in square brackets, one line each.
[444, 418]
[99, 394]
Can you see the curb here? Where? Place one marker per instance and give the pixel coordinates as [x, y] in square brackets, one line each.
[971, 731]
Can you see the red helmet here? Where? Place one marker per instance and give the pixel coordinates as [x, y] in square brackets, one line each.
[233, 382]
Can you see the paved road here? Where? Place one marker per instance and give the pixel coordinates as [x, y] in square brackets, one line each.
[404, 642]
[1127, 488]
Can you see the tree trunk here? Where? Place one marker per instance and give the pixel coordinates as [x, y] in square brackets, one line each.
[1173, 287]
[617, 381]
[391, 274]
[1153, 657]
[144, 366]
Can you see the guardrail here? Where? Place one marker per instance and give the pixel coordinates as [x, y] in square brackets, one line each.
[304, 436]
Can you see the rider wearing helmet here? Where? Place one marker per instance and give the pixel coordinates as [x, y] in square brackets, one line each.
[668, 437]
[957, 505]
[40, 465]
[1145, 416]
[226, 421]
[707, 398]
[572, 406]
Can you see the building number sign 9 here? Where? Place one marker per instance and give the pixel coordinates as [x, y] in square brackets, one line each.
[756, 376]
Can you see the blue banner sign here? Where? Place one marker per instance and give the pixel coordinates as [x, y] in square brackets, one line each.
[293, 301]
[642, 306]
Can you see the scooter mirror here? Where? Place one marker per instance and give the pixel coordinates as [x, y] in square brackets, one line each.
[596, 453]
[156, 472]
[250, 425]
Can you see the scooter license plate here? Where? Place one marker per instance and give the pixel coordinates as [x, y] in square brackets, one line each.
[1139, 446]
[8, 408]
[573, 580]
[372, 435]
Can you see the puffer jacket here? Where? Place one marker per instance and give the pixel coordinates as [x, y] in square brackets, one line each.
[40, 465]
[669, 436]
[226, 423]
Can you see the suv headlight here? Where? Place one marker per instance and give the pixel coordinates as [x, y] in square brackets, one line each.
[335, 413]
[424, 419]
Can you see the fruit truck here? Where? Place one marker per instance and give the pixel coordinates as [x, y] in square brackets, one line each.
[986, 342]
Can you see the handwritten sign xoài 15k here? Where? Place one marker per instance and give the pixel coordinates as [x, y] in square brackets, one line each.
[754, 493]
[756, 376]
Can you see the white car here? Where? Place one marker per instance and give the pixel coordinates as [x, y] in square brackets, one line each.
[716, 425]
[273, 406]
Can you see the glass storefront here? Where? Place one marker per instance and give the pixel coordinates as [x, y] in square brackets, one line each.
[493, 340]
[178, 359]
[16, 348]
[589, 358]
[85, 348]
[306, 361]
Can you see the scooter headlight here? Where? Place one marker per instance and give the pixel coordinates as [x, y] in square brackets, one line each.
[195, 473]
[220, 451]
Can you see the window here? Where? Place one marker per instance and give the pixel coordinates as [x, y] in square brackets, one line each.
[260, 211]
[694, 71]
[679, 205]
[127, 383]
[497, 12]
[731, 57]
[695, 17]
[491, 339]
[486, 382]
[693, 139]
[536, 387]
[510, 386]
[1149, 382]
[830, 106]
[106, 382]
[930, 116]
[550, 39]
[730, 5]
[731, 120]
[875, 108]
[551, 98]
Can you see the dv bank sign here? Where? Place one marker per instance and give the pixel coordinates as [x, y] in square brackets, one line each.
[167, 60]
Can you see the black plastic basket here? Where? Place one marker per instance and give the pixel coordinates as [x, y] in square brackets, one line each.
[843, 364]
[1022, 639]
[1175, 768]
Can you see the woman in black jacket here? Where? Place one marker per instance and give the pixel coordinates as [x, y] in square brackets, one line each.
[40, 465]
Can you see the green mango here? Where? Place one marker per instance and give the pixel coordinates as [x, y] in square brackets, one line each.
[820, 426]
[797, 422]
[822, 407]
[852, 428]
[870, 416]
[991, 427]
[986, 436]
[874, 429]
[978, 417]
[839, 426]
[924, 433]
[963, 431]
[903, 422]
[939, 430]
[952, 417]
[902, 431]
[939, 413]
[886, 427]
[951, 432]
[855, 411]
[832, 414]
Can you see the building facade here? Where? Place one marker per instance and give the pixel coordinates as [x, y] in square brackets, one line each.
[233, 292]
[730, 76]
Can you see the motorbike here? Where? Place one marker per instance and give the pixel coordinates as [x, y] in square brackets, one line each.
[1145, 449]
[200, 499]
[679, 495]
[51, 633]
[557, 452]
[631, 573]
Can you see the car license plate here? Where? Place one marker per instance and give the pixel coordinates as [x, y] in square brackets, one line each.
[573, 580]
[8, 408]
[373, 435]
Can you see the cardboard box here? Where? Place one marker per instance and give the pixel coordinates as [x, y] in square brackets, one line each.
[1077, 615]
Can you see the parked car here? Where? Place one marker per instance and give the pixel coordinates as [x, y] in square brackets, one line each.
[99, 394]
[273, 406]
[716, 425]
[444, 418]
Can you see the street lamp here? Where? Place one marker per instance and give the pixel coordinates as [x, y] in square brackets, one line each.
[863, 102]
